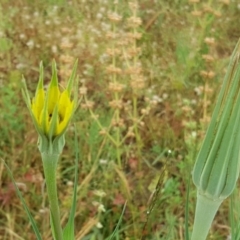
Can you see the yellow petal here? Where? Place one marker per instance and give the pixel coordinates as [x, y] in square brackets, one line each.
[68, 113]
[64, 102]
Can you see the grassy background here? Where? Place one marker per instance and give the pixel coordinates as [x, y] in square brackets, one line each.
[141, 150]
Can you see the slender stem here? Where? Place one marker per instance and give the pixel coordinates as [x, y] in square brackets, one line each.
[117, 98]
[50, 169]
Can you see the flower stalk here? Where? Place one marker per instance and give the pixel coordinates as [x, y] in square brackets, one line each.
[50, 168]
[216, 169]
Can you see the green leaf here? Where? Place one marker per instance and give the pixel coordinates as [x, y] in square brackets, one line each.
[68, 231]
[118, 224]
[31, 219]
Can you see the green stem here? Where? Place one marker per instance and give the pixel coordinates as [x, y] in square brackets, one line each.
[205, 212]
[50, 170]
[116, 97]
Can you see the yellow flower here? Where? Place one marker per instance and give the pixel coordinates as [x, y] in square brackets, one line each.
[52, 110]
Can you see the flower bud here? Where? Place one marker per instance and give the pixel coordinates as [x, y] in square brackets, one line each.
[51, 110]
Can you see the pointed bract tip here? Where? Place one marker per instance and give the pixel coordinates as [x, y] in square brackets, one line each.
[72, 77]
[54, 80]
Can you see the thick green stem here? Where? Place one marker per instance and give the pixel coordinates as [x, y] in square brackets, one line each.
[205, 212]
[50, 169]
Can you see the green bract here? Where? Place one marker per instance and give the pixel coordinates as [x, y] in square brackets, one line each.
[217, 166]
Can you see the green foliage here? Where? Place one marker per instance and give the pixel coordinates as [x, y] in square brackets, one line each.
[31, 219]
[11, 122]
[68, 230]
[181, 84]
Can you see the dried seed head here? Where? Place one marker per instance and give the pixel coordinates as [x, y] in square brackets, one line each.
[111, 35]
[65, 44]
[130, 133]
[103, 132]
[154, 102]
[116, 104]
[207, 74]
[145, 111]
[198, 90]
[113, 51]
[226, 2]
[113, 70]
[115, 87]
[207, 9]
[211, 74]
[193, 1]
[134, 22]
[133, 51]
[137, 82]
[114, 17]
[66, 59]
[133, 6]
[203, 73]
[118, 123]
[83, 90]
[133, 70]
[208, 58]
[122, 42]
[208, 90]
[196, 13]
[134, 36]
[87, 105]
[209, 40]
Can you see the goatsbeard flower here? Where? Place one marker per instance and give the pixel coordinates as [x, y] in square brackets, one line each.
[51, 110]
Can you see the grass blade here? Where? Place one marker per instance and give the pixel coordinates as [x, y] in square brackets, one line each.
[68, 231]
[31, 219]
[187, 211]
[118, 224]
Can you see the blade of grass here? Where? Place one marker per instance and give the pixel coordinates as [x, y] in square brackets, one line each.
[31, 219]
[187, 210]
[234, 214]
[231, 215]
[118, 224]
[68, 231]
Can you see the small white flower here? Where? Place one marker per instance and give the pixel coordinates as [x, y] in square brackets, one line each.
[99, 225]
[99, 15]
[101, 208]
[22, 36]
[165, 96]
[54, 48]
[99, 193]
[103, 161]
[30, 44]
[194, 134]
